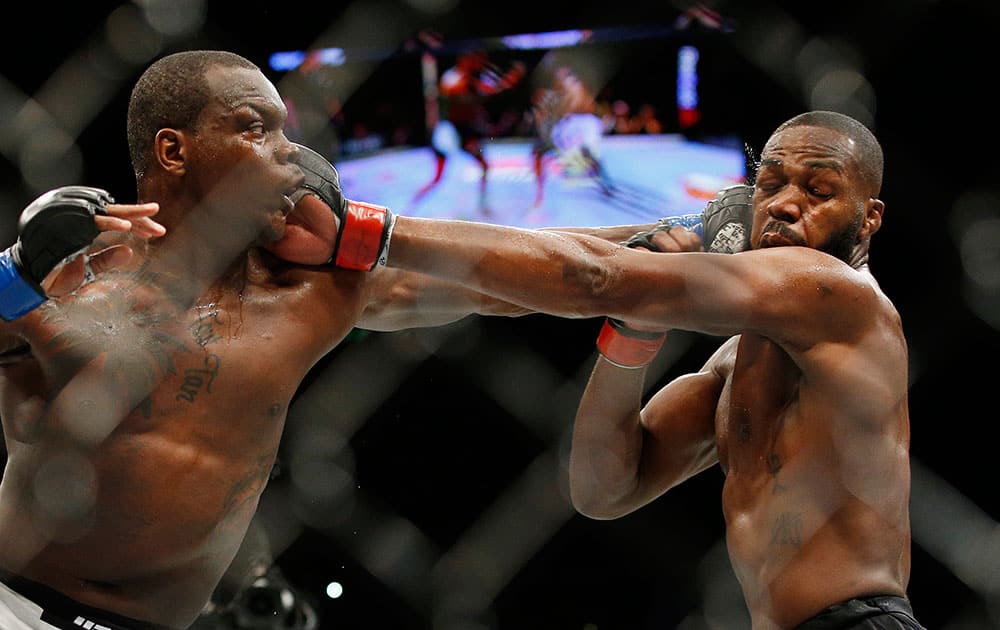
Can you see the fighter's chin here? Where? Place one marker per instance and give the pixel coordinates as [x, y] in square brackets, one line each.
[776, 239]
[772, 240]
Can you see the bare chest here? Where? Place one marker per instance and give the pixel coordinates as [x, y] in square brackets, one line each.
[758, 409]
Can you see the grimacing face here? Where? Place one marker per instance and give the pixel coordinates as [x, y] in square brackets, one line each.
[807, 192]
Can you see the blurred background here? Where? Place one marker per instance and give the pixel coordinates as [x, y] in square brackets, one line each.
[421, 483]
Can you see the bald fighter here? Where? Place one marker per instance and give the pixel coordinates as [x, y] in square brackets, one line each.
[143, 419]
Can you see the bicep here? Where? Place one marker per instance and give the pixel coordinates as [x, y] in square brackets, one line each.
[679, 423]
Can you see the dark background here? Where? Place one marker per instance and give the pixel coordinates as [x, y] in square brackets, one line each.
[440, 462]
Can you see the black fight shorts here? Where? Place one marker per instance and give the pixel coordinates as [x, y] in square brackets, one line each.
[881, 612]
[28, 604]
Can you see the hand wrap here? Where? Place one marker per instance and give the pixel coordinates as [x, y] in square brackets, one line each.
[618, 342]
[627, 347]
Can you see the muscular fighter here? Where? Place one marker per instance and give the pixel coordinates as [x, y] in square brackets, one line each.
[145, 415]
[804, 407]
[125, 499]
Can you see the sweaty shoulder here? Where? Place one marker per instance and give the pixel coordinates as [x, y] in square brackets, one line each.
[800, 296]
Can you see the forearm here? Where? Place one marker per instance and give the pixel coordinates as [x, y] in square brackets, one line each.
[400, 299]
[607, 444]
[550, 272]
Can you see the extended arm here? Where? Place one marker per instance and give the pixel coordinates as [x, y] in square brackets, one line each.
[403, 299]
[578, 276]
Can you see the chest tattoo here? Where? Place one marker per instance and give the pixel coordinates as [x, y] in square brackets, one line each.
[787, 531]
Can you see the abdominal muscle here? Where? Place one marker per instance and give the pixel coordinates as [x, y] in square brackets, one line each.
[163, 508]
[803, 544]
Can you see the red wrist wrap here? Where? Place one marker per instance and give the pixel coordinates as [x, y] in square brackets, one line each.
[362, 235]
[628, 347]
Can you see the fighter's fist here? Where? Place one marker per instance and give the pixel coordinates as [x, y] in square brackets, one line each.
[326, 227]
[727, 220]
[666, 236]
[54, 229]
[57, 225]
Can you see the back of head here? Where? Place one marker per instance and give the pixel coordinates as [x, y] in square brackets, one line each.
[868, 151]
[171, 93]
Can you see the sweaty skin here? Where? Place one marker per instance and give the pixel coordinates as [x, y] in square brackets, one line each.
[144, 425]
[804, 407]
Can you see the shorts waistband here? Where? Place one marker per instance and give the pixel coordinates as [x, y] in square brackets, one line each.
[857, 609]
[64, 612]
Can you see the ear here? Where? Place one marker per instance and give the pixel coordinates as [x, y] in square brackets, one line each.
[873, 218]
[170, 149]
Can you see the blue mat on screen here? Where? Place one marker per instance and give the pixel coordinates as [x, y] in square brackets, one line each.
[650, 176]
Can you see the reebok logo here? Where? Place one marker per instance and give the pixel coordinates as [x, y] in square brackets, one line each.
[87, 624]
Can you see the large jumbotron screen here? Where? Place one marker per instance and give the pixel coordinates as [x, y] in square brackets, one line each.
[665, 142]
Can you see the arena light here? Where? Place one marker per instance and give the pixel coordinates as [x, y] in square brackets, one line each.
[292, 59]
[287, 60]
[687, 86]
[544, 41]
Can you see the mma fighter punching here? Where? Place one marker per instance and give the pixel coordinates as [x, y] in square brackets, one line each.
[136, 456]
[141, 420]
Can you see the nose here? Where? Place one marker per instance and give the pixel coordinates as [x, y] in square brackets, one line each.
[786, 205]
[288, 151]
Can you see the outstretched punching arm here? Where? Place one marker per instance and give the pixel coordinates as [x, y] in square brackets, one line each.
[401, 299]
[326, 228]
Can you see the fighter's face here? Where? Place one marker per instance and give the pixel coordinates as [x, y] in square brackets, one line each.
[808, 192]
[239, 158]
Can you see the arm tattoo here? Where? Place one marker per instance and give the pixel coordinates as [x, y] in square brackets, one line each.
[742, 417]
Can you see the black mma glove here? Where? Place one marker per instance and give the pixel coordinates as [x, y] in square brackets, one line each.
[56, 226]
[363, 230]
[727, 219]
[724, 224]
